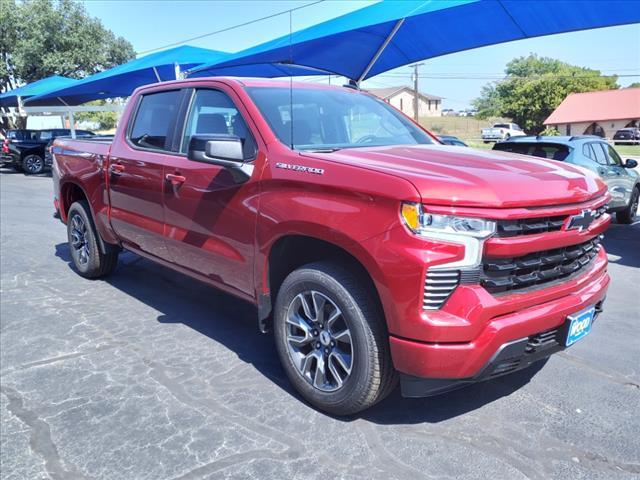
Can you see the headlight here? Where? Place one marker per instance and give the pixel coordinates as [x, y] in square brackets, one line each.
[424, 223]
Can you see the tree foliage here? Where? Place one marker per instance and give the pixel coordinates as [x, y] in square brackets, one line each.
[104, 120]
[40, 38]
[534, 86]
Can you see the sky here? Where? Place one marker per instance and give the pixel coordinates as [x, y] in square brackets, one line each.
[149, 25]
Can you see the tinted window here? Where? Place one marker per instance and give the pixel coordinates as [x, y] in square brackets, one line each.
[587, 151]
[551, 151]
[315, 119]
[154, 120]
[614, 158]
[599, 153]
[213, 112]
[501, 125]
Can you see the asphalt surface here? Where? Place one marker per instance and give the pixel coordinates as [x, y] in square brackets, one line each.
[151, 375]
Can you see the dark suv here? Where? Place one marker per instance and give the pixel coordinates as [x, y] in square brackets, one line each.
[25, 150]
[627, 136]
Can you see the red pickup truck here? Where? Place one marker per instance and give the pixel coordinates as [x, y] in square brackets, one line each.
[371, 251]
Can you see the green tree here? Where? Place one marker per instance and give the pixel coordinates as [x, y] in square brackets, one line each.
[105, 120]
[40, 38]
[634, 85]
[534, 86]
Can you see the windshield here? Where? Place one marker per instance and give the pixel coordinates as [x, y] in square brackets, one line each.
[329, 119]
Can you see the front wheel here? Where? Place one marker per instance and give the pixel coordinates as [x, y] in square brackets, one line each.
[33, 164]
[628, 215]
[89, 261]
[331, 339]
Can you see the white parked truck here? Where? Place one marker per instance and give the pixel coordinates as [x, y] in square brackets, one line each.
[500, 132]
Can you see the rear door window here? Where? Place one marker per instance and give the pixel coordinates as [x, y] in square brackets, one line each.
[155, 120]
[599, 153]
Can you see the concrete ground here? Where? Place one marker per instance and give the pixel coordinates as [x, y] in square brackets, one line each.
[151, 375]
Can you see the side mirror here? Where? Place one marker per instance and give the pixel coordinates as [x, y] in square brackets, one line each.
[223, 150]
[631, 163]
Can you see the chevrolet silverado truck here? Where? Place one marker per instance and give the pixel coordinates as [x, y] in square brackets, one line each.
[372, 252]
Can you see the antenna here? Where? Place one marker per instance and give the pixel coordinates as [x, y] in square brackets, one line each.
[291, 78]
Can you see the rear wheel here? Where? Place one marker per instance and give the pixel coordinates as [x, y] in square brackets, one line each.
[89, 261]
[32, 164]
[629, 214]
[331, 339]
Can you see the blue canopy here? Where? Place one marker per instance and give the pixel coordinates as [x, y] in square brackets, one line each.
[391, 34]
[10, 98]
[122, 80]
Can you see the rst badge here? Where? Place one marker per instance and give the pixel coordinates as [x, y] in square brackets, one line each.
[300, 168]
[580, 221]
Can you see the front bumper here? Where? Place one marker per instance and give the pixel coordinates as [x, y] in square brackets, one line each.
[530, 316]
[510, 357]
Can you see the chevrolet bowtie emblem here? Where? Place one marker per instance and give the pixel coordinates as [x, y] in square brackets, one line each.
[580, 221]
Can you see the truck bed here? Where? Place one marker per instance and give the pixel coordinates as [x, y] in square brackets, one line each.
[99, 145]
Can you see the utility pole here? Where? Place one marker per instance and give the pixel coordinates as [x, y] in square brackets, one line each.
[416, 101]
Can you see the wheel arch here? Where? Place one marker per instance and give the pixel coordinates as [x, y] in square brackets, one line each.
[291, 251]
[71, 192]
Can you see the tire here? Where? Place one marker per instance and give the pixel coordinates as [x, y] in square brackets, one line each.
[628, 215]
[87, 258]
[365, 371]
[32, 164]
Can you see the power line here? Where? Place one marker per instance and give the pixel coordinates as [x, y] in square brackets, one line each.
[226, 29]
[528, 77]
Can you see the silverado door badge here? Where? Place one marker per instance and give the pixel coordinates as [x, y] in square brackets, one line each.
[300, 168]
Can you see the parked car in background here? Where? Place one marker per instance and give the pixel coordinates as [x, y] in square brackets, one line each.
[371, 252]
[451, 140]
[25, 149]
[500, 132]
[595, 154]
[627, 136]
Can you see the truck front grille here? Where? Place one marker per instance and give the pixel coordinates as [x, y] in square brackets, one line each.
[528, 226]
[500, 275]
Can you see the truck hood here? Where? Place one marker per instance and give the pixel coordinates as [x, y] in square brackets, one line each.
[457, 176]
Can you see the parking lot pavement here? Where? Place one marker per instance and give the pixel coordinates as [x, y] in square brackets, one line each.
[151, 375]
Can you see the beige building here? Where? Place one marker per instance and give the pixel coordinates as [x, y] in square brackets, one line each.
[597, 113]
[402, 99]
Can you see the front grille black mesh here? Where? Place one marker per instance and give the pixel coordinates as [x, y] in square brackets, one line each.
[513, 274]
[528, 226]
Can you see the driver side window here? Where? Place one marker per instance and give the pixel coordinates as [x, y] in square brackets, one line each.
[213, 112]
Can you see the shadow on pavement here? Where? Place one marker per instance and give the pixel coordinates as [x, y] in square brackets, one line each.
[233, 323]
[13, 171]
[622, 243]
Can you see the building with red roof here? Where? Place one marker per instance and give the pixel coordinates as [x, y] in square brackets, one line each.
[597, 113]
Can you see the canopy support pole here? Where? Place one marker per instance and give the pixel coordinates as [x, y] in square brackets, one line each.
[155, 70]
[72, 126]
[380, 50]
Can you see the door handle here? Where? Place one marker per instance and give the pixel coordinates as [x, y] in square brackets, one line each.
[175, 179]
[116, 169]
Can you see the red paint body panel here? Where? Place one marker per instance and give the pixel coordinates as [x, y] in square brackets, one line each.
[203, 223]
